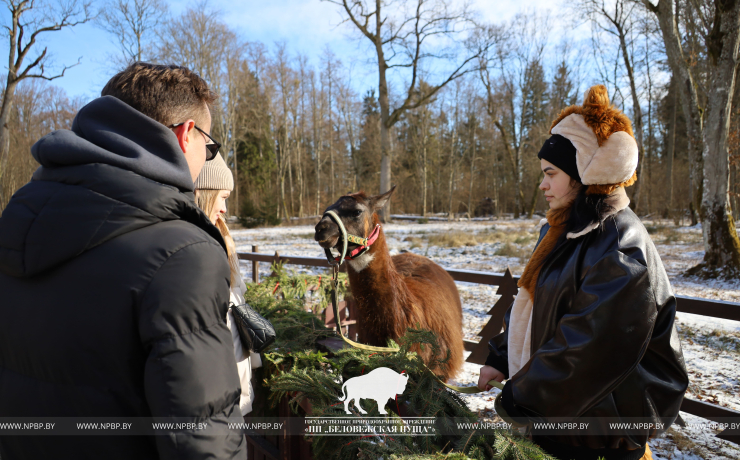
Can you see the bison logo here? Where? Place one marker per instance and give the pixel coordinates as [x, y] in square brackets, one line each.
[381, 385]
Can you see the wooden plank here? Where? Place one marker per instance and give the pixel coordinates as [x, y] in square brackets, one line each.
[714, 413]
[694, 305]
[707, 307]
[255, 266]
[269, 451]
[708, 411]
[289, 260]
[470, 276]
[469, 345]
[331, 345]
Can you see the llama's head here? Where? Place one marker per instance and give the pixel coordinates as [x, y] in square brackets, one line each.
[356, 211]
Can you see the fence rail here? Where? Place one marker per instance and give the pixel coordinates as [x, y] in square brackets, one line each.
[694, 305]
[507, 285]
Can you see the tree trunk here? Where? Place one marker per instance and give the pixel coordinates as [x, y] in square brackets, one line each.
[721, 243]
[385, 140]
[424, 184]
[236, 182]
[453, 163]
[637, 118]
[317, 147]
[519, 199]
[649, 148]
[535, 195]
[4, 130]
[472, 176]
[299, 177]
[672, 150]
[290, 184]
[333, 180]
[689, 97]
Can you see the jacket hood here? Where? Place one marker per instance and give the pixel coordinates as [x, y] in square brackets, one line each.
[109, 131]
[95, 184]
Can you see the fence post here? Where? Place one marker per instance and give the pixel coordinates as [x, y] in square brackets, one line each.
[507, 289]
[255, 267]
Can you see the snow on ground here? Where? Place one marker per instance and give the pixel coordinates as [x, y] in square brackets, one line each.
[711, 346]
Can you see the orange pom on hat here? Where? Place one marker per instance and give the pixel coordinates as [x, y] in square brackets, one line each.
[606, 150]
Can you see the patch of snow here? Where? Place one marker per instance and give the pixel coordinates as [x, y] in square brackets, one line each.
[707, 323]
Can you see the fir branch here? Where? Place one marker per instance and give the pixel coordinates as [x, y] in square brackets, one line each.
[296, 370]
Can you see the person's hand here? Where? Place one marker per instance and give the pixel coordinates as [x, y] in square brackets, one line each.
[488, 373]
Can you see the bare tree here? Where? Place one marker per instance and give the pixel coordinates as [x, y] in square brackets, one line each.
[317, 112]
[213, 50]
[38, 107]
[28, 20]
[348, 110]
[403, 35]
[131, 22]
[708, 126]
[520, 52]
[455, 156]
[285, 102]
[331, 63]
[618, 18]
[199, 40]
[420, 132]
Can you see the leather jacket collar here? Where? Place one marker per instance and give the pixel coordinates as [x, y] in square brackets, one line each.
[618, 201]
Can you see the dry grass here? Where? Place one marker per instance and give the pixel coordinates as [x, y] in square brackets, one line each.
[685, 444]
[516, 243]
[662, 234]
[514, 250]
[415, 241]
[454, 239]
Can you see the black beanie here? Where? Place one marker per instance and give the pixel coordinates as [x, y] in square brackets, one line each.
[562, 153]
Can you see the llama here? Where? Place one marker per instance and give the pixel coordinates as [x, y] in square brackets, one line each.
[395, 293]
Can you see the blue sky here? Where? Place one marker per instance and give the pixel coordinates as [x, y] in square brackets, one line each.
[306, 26]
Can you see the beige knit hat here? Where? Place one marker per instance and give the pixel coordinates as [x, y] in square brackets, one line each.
[215, 175]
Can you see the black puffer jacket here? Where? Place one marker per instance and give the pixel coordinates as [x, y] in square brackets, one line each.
[114, 291]
[604, 346]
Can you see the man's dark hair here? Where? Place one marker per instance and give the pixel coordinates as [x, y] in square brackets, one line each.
[167, 93]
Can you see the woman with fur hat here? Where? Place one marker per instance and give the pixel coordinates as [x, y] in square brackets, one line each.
[590, 337]
[212, 187]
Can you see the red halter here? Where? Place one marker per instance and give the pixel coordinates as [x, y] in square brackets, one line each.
[363, 249]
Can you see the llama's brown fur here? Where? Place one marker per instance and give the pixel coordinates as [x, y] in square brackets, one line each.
[406, 291]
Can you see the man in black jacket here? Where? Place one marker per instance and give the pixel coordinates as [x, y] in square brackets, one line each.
[114, 285]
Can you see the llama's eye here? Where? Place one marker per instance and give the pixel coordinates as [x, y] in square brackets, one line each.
[357, 213]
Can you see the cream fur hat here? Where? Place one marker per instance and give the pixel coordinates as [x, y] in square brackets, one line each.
[606, 150]
[215, 175]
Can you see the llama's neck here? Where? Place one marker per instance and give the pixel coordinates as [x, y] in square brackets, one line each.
[378, 289]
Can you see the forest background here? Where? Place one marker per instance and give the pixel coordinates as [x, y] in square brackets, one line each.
[445, 102]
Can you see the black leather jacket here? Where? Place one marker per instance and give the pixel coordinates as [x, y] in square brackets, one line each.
[604, 344]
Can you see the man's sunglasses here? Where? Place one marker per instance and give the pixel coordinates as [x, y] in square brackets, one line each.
[211, 149]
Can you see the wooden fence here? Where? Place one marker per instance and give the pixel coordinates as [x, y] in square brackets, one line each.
[507, 289]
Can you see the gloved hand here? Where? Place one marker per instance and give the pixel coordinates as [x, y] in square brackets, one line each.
[504, 407]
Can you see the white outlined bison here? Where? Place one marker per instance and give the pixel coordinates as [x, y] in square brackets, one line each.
[380, 385]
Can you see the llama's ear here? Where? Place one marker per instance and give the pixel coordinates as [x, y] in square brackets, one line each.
[377, 202]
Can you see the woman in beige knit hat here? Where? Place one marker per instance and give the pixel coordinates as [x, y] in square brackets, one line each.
[212, 187]
[590, 339]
